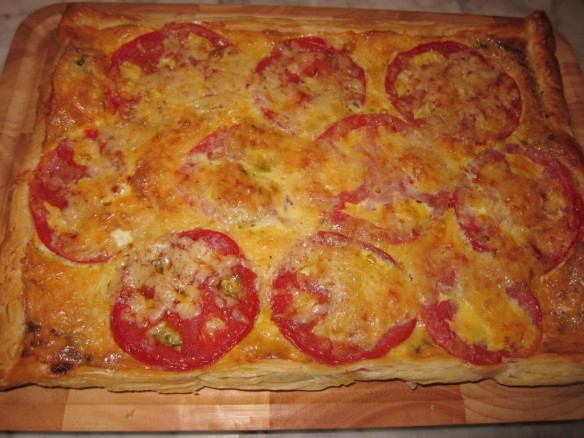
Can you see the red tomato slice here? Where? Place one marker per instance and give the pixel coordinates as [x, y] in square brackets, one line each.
[572, 229]
[392, 205]
[305, 81]
[186, 302]
[373, 121]
[533, 207]
[228, 175]
[338, 300]
[438, 317]
[146, 50]
[53, 186]
[171, 44]
[454, 91]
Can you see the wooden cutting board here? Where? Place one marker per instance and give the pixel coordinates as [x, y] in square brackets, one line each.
[362, 405]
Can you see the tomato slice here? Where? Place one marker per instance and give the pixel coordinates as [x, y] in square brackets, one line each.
[186, 301]
[454, 91]
[146, 50]
[338, 300]
[439, 316]
[63, 214]
[520, 199]
[399, 198]
[305, 84]
[175, 46]
[350, 123]
[230, 175]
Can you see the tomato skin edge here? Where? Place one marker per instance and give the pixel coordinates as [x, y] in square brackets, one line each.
[223, 243]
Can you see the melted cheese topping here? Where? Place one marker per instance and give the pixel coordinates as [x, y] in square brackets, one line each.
[168, 278]
[403, 216]
[364, 294]
[492, 320]
[306, 90]
[166, 95]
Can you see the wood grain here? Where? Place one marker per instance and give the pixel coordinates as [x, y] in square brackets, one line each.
[368, 404]
[362, 405]
[489, 402]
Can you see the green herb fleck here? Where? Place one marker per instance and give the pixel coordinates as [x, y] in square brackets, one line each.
[262, 165]
[166, 335]
[230, 287]
[158, 266]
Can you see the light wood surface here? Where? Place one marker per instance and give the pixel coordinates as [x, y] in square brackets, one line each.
[362, 405]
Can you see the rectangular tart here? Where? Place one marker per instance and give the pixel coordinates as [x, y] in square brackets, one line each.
[270, 203]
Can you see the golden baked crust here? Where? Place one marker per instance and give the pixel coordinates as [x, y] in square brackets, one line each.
[367, 201]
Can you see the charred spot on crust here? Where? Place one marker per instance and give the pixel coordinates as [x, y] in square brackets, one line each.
[61, 367]
[65, 360]
[52, 346]
[32, 327]
[33, 338]
[515, 46]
